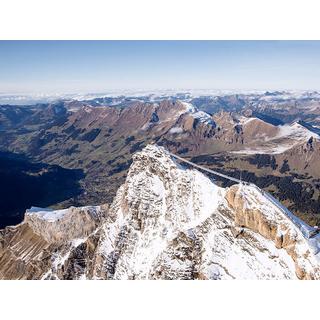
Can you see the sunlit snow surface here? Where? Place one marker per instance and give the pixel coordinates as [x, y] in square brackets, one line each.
[163, 214]
[169, 222]
[47, 214]
[51, 215]
[288, 136]
[165, 211]
[197, 114]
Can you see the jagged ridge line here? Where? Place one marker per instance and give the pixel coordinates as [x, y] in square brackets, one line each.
[306, 230]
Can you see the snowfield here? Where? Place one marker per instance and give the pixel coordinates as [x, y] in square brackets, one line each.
[287, 137]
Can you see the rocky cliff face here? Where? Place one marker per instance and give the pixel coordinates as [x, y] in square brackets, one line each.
[60, 226]
[45, 240]
[254, 213]
[166, 222]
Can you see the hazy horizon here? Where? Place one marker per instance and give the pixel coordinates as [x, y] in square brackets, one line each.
[51, 67]
[30, 99]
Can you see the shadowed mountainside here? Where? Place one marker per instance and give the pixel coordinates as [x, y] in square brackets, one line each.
[25, 184]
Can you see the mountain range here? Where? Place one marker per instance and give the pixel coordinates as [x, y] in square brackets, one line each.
[118, 207]
[165, 222]
[272, 137]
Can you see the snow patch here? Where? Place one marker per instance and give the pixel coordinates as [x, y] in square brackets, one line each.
[295, 131]
[287, 137]
[202, 117]
[47, 214]
[176, 130]
[51, 215]
[189, 107]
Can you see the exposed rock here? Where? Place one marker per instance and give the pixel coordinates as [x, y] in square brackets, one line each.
[45, 240]
[251, 212]
[60, 226]
[166, 222]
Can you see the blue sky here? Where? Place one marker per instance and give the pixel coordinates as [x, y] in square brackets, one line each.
[99, 66]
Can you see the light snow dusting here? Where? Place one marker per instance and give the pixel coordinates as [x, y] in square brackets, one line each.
[47, 214]
[176, 130]
[172, 222]
[196, 114]
[288, 136]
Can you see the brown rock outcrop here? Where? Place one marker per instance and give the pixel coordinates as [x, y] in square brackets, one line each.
[271, 223]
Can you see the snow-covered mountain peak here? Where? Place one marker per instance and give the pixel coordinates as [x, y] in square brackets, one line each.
[201, 116]
[296, 131]
[173, 222]
[166, 222]
[187, 195]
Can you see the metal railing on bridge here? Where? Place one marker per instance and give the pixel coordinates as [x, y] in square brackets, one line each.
[205, 169]
[307, 231]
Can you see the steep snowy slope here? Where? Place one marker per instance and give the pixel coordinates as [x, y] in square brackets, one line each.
[269, 139]
[168, 222]
[175, 223]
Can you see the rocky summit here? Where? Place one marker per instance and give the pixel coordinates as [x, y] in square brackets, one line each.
[165, 222]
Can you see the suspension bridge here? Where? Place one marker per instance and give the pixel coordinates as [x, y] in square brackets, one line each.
[308, 232]
[205, 169]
